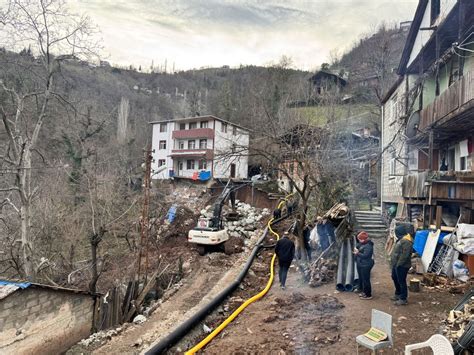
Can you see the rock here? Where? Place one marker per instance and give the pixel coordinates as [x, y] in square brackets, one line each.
[139, 319]
[186, 266]
[206, 329]
[138, 342]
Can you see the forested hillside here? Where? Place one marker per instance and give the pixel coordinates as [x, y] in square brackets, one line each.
[91, 122]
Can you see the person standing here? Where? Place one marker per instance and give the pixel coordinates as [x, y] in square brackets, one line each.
[322, 232]
[285, 252]
[306, 238]
[401, 263]
[364, 254]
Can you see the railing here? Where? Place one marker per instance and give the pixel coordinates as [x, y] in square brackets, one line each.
[453, 98]
[440, 185]
[193, 133]
[204, 153]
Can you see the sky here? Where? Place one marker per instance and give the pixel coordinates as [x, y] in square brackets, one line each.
[213, 33]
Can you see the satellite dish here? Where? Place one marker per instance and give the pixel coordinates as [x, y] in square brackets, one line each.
[413, 124]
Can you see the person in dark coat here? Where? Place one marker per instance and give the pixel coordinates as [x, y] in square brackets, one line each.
[276, 214]
[306, 238]
[401, 263]
[285, 252]
[364, 255]
[322, 232]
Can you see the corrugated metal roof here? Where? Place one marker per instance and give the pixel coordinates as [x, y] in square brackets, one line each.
[8, 287]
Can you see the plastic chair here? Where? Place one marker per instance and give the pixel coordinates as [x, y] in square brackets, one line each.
[381, 321]
[438, 343]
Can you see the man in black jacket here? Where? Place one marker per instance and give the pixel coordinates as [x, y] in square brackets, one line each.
[364, 254]
[285, 252]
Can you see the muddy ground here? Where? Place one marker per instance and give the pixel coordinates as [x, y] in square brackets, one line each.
[305, 320]
[300, 319]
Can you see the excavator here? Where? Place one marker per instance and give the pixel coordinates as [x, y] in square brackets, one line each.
[210, 231]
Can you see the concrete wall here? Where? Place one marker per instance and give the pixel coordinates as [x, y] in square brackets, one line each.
[222, 148]
[162, 154]
[393, 146]
[41, 321]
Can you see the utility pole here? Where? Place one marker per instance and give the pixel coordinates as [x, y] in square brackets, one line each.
[145, 221]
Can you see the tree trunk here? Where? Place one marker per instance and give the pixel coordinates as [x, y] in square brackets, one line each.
[24, 183]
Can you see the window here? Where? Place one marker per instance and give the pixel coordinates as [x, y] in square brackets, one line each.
[393, 167]
[202, 164]
[180, 144]
[204, 124]
[190, 164]
[161, 162]
[162, 145]
[163, 127]
[223, 127]
[234, 130]
[463, 154]
[192, 144]
[203, 144]
[435, 10]
[182, 126]
[193, 125]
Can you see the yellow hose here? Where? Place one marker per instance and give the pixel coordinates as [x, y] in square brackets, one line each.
[244, 305]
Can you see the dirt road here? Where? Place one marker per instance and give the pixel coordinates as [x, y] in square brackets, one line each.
[306, 320]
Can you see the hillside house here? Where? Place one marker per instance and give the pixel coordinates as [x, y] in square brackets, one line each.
[199, 148]
[428, 118]
[42, 319]
[323, 82]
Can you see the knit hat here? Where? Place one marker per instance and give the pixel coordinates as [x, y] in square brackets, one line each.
[363, 237]
[402, 230]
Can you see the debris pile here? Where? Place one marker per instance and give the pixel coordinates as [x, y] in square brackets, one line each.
[437, 282]
[458, 320]
[319, 273]
[247, 223]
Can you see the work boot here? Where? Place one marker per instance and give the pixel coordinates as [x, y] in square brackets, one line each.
[395, 298]
[401, 303]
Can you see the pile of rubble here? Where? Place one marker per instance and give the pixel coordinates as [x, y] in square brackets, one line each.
[320, 272]
[248, 222]
[458, 320]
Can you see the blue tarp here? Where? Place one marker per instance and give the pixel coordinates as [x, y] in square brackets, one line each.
[172, 213]
[421, 238]
[204, 175]
[18, 284]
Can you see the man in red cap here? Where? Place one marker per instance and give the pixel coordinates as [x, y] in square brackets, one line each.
[364, 254]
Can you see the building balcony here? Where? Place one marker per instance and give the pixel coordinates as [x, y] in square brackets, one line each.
[193, 133]
[453, 102]
[439, 185]
[192, 153]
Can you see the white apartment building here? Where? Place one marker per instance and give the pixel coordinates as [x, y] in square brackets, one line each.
[199, 148]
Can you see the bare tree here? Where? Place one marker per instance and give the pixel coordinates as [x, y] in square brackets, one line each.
[54, 36]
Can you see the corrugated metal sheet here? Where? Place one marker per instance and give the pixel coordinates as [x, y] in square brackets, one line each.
[8, 287]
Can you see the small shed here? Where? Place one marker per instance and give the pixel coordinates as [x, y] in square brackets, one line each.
[324, 81]
[42, 319]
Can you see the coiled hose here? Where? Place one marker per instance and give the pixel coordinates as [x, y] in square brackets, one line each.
[244, 305]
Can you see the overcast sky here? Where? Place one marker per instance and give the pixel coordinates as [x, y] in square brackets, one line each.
[197, 33]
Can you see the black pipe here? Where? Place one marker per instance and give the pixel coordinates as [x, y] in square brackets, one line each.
[356, 273]
[341, 269]
[350, 267]
[181, 330]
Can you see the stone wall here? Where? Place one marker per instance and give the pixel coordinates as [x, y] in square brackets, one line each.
[43, 321]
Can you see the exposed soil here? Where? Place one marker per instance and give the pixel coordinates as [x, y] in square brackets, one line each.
[300, 319]
[307, 320]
